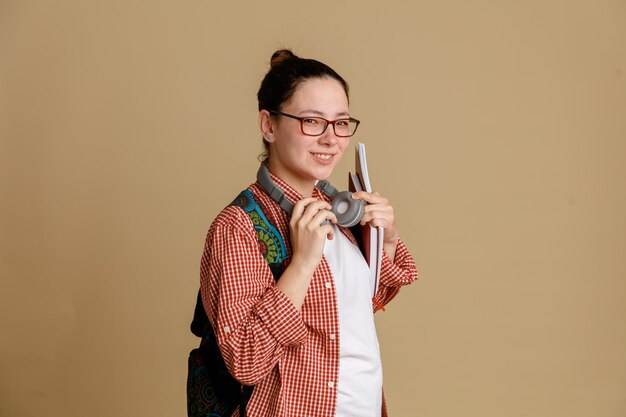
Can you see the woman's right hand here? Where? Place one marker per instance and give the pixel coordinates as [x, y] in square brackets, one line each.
[307, 246]
[308, 234]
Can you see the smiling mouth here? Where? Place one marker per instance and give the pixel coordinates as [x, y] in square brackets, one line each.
[322, 155]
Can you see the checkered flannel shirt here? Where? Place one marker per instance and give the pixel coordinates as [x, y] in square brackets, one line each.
[290, 356]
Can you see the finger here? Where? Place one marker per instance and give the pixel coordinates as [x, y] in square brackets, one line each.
[317, 205]
[384, 223]
[323, 215]
[383, 215]
[313, 208]
[391, 233]
[299, 207]
[385, 208]
[370, 198]
[360, 195]
[306, 208]
[330, 232]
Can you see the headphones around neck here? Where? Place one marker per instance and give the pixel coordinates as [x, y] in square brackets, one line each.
[347, 209]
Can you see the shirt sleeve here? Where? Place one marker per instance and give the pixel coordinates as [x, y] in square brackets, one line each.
[254, 321]
[395, 274]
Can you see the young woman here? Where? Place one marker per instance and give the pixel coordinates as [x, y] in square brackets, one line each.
[307, 342]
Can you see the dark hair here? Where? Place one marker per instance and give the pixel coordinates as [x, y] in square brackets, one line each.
[287, 72]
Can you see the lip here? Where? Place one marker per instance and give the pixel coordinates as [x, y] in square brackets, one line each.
[324, 161]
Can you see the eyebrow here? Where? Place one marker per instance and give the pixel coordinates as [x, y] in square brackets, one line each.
[319, 113]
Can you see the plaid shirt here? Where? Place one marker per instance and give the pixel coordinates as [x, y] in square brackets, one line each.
[291, 356]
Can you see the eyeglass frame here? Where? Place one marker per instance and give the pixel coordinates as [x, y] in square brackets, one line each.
[328, 122]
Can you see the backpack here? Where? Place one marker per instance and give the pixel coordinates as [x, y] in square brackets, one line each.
[211, 390]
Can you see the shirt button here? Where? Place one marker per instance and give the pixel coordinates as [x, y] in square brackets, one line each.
[332, 337]
[226, 329]
[331, 384]
[328, 285]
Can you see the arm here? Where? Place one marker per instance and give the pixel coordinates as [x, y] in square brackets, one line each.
[255, 318]
[254, 321]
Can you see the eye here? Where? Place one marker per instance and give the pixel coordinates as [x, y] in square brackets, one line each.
[311, 121]
[342, 123]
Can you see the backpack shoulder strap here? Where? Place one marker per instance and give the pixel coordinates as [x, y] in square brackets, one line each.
[271, 242]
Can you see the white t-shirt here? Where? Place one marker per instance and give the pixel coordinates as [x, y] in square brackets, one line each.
[359, 389]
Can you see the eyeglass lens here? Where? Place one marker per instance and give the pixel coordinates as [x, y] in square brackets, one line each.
[316, 126]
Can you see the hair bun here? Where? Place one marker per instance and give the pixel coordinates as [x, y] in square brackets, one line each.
[281, 56]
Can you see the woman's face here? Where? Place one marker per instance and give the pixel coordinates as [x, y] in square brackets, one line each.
[299, 159]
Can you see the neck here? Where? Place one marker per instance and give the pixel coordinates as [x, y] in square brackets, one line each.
[302, 185]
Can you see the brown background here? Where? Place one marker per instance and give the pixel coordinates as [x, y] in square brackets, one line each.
[497, 129]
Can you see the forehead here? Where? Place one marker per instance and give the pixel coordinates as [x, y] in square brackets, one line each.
[322, 94]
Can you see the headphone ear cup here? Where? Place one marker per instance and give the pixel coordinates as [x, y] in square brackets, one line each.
[348, 210]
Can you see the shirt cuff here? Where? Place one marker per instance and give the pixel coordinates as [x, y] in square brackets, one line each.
[401, 271]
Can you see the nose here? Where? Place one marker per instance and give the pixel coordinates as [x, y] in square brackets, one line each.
[329, 137]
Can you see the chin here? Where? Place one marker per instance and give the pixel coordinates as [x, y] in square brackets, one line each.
[323, 174]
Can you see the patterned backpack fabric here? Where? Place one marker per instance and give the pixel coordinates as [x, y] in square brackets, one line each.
[211, 389]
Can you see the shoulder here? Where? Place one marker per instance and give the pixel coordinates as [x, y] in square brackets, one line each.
[234, 217]
[247, 207]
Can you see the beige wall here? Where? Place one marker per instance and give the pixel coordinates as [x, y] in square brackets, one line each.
[497, 129]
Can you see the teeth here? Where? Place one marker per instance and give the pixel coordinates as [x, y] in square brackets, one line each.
[322, 155]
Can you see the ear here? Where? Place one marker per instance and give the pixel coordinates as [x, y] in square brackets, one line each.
[265, 124]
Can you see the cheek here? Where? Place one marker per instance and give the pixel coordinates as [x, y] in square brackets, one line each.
[290, 144]
[343, 144]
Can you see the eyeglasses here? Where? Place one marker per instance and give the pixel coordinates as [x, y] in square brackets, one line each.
[316, 126]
